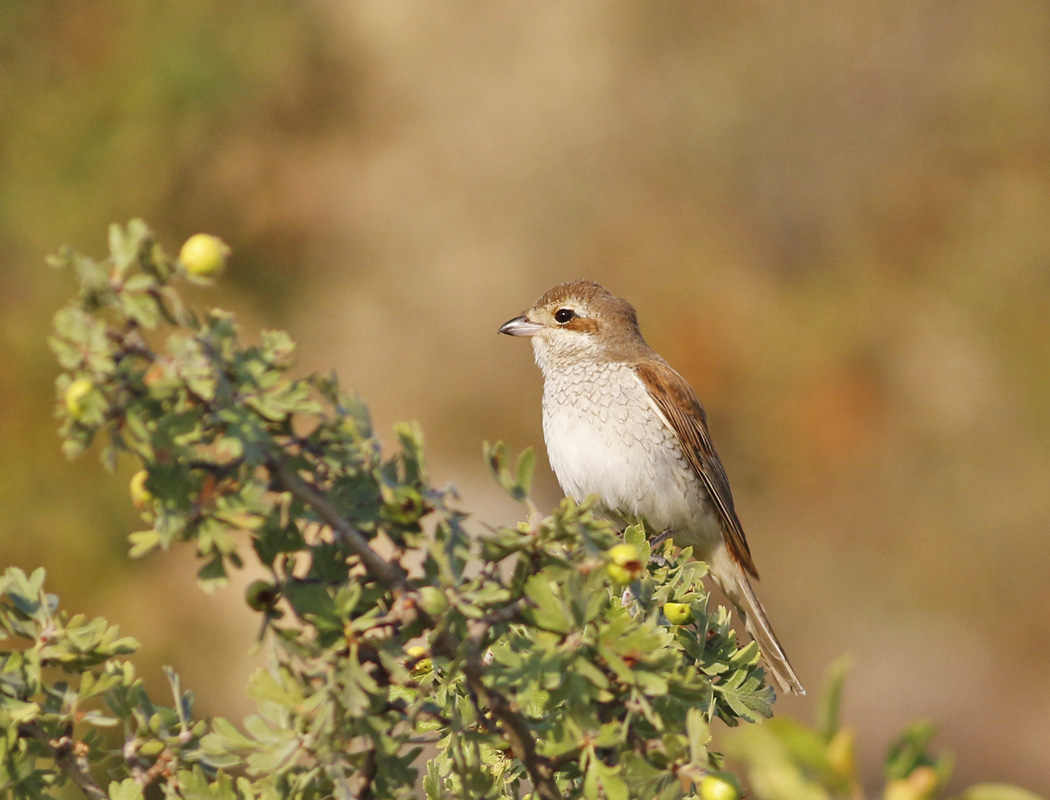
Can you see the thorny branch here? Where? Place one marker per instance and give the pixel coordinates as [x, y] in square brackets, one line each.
[391, 576]
[516, 726]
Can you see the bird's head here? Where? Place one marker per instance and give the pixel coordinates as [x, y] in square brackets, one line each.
[578, 322]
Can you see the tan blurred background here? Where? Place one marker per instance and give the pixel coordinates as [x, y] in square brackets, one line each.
[834, 221]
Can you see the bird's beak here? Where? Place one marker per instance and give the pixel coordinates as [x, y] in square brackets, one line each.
[520, 326]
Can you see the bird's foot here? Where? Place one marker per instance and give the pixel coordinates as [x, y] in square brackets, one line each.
[659, 539]
[654, 545]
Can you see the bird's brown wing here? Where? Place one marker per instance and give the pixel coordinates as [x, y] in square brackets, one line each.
[681, 407]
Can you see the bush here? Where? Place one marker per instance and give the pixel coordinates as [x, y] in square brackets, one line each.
[515, 654]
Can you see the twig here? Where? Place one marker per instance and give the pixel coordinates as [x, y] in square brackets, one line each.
[64, 751]
[361, 783]
[382, 570]
[514, 724]
[509, 613]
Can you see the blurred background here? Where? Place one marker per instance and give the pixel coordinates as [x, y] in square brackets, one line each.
[834, 220]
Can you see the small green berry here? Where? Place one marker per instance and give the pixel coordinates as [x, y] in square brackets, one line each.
[261, 595]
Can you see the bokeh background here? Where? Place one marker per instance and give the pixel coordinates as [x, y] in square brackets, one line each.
[834, 220]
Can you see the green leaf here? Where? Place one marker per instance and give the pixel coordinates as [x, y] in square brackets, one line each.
[549, 613]
[17, 712]
[747, 656]
[280, 688]
[910, 750]
[213, 575]
[804, 744]
[127, 789]
[309, 598]
[143, 543]
[124, 245]
[831, 697]
[602, 780]
[517, 485]
[225, 732]
[410, 436]
[262, 762]
[699, 733]
[746, 696]
[525, 468]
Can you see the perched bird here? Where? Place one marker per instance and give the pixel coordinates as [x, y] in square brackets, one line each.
[621, 424]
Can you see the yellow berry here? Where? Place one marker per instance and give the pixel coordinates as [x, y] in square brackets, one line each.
[624, 554]
[424, 665]
[620, 575]
[76, 394]
[204, 254]
[718, 787]
[140, 495]
[678, 613]
[625, 564]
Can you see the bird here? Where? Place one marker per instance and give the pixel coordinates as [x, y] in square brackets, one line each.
[621, 424]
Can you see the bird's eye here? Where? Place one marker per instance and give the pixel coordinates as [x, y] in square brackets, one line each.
[563, 315]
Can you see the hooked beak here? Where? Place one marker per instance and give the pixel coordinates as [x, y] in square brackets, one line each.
[520, 326]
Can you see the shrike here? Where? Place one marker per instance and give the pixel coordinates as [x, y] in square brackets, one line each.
[621, 424]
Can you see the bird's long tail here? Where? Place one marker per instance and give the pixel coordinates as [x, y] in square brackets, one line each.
[734, 583]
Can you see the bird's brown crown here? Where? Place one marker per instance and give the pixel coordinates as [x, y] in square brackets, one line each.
[599, 310]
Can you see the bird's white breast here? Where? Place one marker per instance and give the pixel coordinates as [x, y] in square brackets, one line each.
[605, 436]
